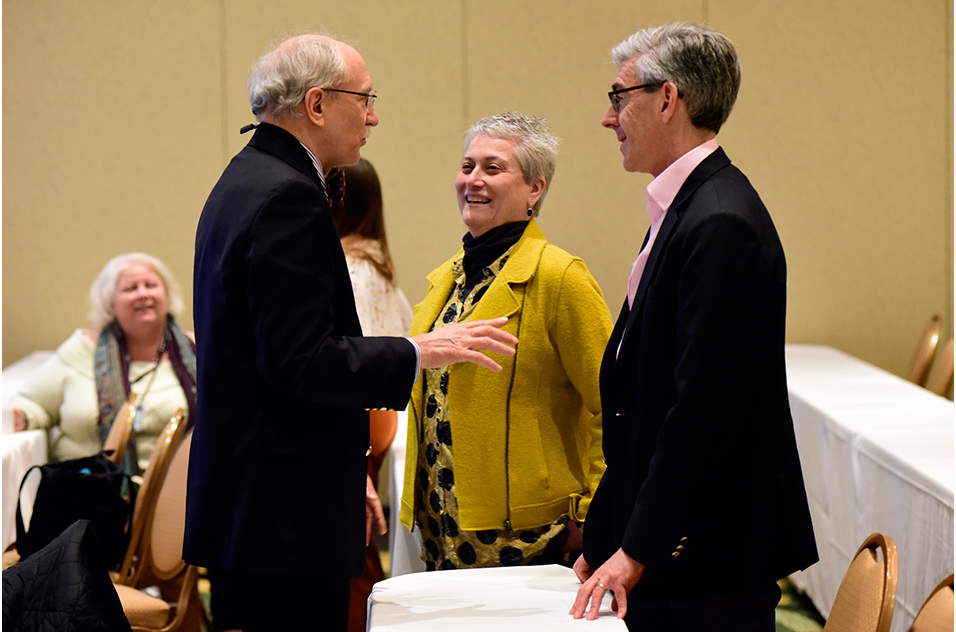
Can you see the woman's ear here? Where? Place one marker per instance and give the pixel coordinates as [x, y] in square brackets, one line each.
[537, 190]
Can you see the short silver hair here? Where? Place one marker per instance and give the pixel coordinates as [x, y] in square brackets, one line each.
[536, 146]
[701, 62]
[279, 80]
[103, 290]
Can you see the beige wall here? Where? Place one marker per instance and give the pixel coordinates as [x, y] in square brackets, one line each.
[119, 115]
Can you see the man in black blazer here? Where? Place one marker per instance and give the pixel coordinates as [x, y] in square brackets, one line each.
[278, 496]
[702, 507]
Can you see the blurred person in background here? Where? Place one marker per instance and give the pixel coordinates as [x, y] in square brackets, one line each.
[135, 345]
[383, 310]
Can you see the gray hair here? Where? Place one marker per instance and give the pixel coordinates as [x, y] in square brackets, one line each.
[536, 146]
[103, 290]
[702, 63]
[281, 77]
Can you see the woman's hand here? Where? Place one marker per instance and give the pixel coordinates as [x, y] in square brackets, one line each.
[19, 420]
[373, 512]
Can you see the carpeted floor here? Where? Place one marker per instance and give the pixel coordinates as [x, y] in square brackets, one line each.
[795, 612]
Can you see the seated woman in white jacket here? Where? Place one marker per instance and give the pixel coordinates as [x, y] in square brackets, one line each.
[134, 346]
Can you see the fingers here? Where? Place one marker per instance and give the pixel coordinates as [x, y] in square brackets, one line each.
[465, 342]
[582, 569]
[374, 515]
[592, 591]
[19, 420]
[620, 603]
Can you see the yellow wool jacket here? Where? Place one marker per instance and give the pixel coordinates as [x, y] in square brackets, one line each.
[528, 438]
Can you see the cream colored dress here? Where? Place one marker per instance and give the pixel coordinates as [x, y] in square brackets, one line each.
[382, 308]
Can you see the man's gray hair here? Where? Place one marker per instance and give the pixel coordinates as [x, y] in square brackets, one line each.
[281, 77]
[103, 290]
[701, 62]
[536, 146]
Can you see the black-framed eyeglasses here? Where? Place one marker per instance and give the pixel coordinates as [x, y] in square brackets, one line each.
[369, 96]
[615, 95]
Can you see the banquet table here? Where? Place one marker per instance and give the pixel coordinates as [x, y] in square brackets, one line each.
[405, 547]
[501, 599]
[21, 450]
[877, 455]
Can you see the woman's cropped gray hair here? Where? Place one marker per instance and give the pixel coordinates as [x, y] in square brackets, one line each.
[282, 76]
[536, 146]
[103, 290]
[701, 62]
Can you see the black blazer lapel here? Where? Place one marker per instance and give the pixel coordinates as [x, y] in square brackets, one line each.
[707, 168]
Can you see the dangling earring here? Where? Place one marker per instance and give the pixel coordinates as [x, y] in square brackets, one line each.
[530, 212]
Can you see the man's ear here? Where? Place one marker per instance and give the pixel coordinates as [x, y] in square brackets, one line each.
[670, 100]
[314, 105]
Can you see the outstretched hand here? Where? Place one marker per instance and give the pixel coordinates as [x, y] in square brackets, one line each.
[464, 342]
[619, 575]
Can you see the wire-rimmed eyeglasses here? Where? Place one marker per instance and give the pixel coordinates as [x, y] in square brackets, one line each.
[369, 96]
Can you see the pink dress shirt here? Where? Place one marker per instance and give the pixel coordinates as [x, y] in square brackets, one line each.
[660, 195]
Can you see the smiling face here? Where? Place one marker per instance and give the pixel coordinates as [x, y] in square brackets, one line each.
[491, 188]
[139, 301]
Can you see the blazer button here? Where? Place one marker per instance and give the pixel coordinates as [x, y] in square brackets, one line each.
[676, 554]
[680, 547]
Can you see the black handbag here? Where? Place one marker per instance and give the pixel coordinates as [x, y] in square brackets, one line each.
[92, 488]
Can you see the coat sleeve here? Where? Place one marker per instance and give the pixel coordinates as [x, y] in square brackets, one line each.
[580, 333]
[302, 309]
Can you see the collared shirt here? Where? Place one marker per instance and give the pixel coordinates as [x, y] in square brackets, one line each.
[317, 164]
[660, 194]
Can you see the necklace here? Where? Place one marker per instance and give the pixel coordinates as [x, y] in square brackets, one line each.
[138, 418]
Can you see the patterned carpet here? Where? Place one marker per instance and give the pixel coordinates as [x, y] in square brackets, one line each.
[796, 613]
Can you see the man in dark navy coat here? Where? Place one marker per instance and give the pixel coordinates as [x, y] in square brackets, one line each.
[702, 507]
[278, 496]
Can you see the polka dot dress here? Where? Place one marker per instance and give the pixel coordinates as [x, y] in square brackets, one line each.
[444, 544]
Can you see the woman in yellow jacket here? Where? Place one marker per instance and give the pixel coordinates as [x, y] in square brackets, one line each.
[500, 467]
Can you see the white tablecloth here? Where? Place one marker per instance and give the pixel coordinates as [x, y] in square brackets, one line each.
[877, 455]
[497, 599]
[21, 450]
[405, 547]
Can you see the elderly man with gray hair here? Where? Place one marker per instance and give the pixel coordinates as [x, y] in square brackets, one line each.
[702, 507]
[278, 495]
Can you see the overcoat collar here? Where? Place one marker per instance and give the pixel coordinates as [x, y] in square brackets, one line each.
[500, 299]
[274, 140]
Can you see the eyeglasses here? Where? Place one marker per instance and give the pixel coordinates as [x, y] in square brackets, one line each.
[616, 98]
[369, 96]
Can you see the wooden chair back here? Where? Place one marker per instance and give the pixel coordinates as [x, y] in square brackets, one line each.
[118, 437]
[867, 595]
[936, 615]
[162, 564]
[153, 478]
[925, 352]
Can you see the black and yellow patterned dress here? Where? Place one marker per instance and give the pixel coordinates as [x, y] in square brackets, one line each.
[444, 545]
